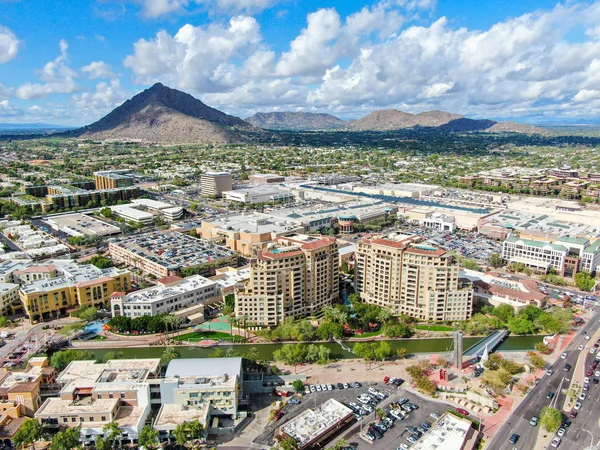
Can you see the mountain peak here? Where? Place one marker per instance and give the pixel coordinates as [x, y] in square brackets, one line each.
[163, 114]
[298, 121]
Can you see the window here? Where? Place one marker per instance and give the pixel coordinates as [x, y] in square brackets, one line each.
[65, 419]
[122, 394]
[103, 418]
[193, 394]
[73, 419]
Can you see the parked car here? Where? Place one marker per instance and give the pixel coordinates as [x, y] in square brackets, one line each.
[294, 401]
[434, 415]
[573, 414]
[561, 431]
[278, 415]
[577, 406]
[549, 395]
[555, 442]
[403, 400]
[464, 412]
[582, 396]
[549, 372]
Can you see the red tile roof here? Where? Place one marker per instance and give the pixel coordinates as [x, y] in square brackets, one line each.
[170, 279]
[93, 282]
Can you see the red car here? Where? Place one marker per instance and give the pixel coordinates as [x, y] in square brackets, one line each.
[464, 412]
[386, 379]
[589, 373]
[278, 415]
[573, 414]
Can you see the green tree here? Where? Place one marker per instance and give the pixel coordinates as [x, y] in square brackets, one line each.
[542, 348]
[148, 437]
[298, 386]
[30, 432]
[536, 360]
[329, 330]
[107, 212]
[550, 419]
[61, 359]
[495, 260]
[530, 312]
[521, 325]
[584, 281]
[168, 355]
[401, 353]
[383, 350]
[86, 313]
[380, 413]
[470, 264]
[366, 351]
[66, 440]
[340, 445]
[504, 312]
[188, 432]
[288, 443]
[113, 354]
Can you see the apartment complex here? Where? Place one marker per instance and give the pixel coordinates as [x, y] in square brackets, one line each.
[247, 233]
[170, 294]
[293, 277]
[213, 184]
[164, 254]
[112, 179]
[412, 278]
[566, 255]
[76, 285]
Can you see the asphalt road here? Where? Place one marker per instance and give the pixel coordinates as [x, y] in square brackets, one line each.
[518, 421]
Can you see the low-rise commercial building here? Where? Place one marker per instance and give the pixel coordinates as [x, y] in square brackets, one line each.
[169, 295]
[77, 224]
[164, 254]
[313, 426]
[266, 178]
[258, 194]
[449, 432]
[10, 302]
[412, 278]
[247, 233]
[294, 277]
[77, 285]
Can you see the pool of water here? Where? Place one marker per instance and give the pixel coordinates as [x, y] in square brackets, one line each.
[95, 327]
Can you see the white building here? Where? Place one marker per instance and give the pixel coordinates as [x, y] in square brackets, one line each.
[171, 294]
[257, 194]
[440, 222]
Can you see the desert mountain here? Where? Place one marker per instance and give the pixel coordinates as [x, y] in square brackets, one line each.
[392, 119]
[164, 115]
[299, 121]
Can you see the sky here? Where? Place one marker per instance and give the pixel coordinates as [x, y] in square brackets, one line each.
[70, 62]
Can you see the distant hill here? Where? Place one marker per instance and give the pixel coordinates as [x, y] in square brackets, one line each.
[298, 121]
[392, 119]
[164, 115]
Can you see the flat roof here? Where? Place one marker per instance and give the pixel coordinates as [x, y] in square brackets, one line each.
[312, 423]
[448, 433]
[55, 406]
[151, 204]
[169, 416]
[83, 224]
[232, 276]
[173, 250]
[202, 367]
[254, 223]
[159, 293]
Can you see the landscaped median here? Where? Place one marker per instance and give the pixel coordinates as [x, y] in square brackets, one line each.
[204, 335]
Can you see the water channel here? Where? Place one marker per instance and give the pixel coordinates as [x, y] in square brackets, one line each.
[265, 351]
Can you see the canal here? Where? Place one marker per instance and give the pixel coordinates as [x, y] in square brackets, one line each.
[265, 351]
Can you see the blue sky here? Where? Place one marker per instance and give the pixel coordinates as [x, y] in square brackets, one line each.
[72, 61]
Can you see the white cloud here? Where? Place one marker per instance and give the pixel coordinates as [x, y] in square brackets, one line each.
[9, 45]
[157, 8]
[98, 69]
[106, 97]
[8, 110]
[196, 58]
[56, 75]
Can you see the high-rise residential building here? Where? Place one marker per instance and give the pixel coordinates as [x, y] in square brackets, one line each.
[412, 278]
[296, 276]
[212, 184]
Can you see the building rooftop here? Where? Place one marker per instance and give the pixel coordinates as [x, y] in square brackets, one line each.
[80, 224]
[87, 373]
[360, 210]
[173, 250]
[312, 423]
[255, 223]
[169, 416]
[74, 275]
[201, 367]
[55, 406]
[230, 276]
[160, 293]
[448, 433]
[534, 243]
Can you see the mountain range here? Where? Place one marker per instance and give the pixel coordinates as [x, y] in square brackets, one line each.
[164, 115]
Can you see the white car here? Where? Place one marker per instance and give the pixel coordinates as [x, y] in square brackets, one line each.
[403, 446]
[582, 396]
[563, 356]
[577, 406]
[592, 350]
[597, 373]
[561, 431]
[587, 337]
[346, 386]
[313, 388]
[330, 387]
[586, 380]
[323, 387]
[580, 347]
[318, 387]
[555, 442]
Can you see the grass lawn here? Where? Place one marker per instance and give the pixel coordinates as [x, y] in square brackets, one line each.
[202, 335]
[434, 328]
[98, 338]
[366, 334]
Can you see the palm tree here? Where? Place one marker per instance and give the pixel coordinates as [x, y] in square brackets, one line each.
[232, 321]
[171, 322]
[168, 355]
[384, 315]
[329, 313]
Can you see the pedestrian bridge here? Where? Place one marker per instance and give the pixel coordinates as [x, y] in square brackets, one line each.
[492, 341]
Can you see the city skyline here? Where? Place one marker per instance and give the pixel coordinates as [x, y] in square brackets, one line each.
[72, 63]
